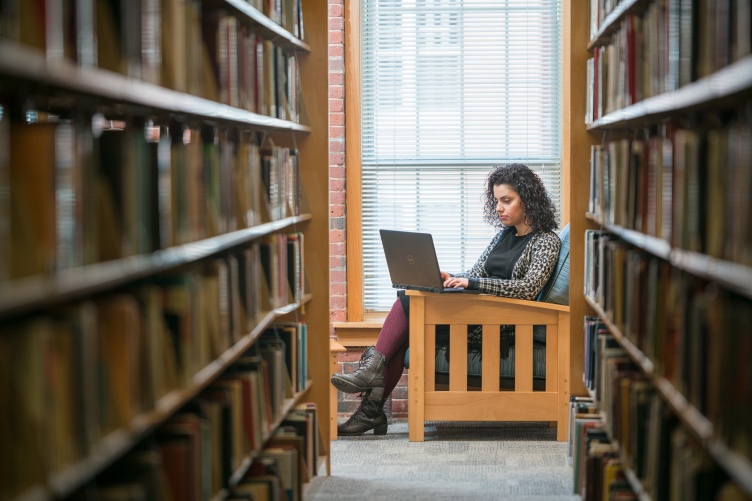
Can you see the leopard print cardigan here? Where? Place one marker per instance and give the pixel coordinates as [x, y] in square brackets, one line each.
[530, 273]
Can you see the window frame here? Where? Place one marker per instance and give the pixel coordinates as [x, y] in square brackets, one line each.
[353, 160]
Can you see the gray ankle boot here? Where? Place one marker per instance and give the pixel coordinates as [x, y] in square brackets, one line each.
[369, 416]
[369, 376]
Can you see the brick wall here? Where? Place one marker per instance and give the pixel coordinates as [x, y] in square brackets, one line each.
[337, 252]
[397, 405]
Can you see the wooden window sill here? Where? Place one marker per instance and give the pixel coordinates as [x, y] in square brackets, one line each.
[357, 334]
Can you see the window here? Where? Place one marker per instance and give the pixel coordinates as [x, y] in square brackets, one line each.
[450, 88]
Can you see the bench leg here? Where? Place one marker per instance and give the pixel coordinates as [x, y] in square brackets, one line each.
[334, 350]
[416, 383]
[333, 397]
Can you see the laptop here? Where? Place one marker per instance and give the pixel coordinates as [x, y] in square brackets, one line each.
[411, 259]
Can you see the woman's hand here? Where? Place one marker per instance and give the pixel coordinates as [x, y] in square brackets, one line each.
[450, 281]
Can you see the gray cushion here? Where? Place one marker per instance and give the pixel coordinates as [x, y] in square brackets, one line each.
[556, 289]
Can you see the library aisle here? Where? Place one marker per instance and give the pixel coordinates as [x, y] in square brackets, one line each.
[458, 461]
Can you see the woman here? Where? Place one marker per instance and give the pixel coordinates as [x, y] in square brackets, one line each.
[516, 264]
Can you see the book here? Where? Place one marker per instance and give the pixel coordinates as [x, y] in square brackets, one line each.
[579, 407]
[598, 454]
[184, 438]
[110, 149]
[245, 213]
[179, 184]
[119, 324]
[7, 483]
[579, 457]
[30, 26]
[307, 412]
[251, 437]
[64, 442]
[249, 282]
[284, 438]
[193, 49]
[110, 54]
[139, 475]
[665, 224]
[230, 393]
[288, 464]
[178, 462]
[256, 369]
[237, 314]
[212, 181]
[33, 235]
[160, 367]
[165, 187]
[215, 407]
[214, 333]
[254, 490]
[28, 343]
[151, 41]
[5, 197]
[295, 265]
[264, 471]
[195, 185]
[69, 186]
[174, 72]
[228, 139]
[273, 352]
[136, 190]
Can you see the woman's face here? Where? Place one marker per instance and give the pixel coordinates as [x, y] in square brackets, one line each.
[509, 205]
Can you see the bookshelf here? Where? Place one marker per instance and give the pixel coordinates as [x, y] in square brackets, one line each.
[667, 247]
[732, 276]
[162, 217]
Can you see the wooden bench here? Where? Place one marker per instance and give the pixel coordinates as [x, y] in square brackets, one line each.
[517, 401]
[490, 403]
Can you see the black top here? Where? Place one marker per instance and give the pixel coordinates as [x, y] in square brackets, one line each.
[504, 256]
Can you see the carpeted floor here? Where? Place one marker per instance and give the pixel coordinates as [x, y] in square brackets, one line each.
[457, 461]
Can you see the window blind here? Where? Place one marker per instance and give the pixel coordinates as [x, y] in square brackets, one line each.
[450, 88]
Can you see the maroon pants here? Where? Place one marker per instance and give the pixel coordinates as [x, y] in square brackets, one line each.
[393, 341]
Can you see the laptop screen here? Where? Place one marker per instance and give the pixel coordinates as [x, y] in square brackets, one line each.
[411, 259]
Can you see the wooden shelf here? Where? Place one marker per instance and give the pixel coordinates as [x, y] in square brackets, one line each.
[22, 296]
[31, 66]
[708, 92]
[238, 475]
[723, 93]
[611, 23]
[639, 358]
[631, 477]
[732, 276]
[656, 246]
[738, 467]
[36, 493]
[636, 485]
[270, 29]
[116, 444]
[57, 86]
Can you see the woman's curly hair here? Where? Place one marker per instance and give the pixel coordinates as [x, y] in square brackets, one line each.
[539, 209]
